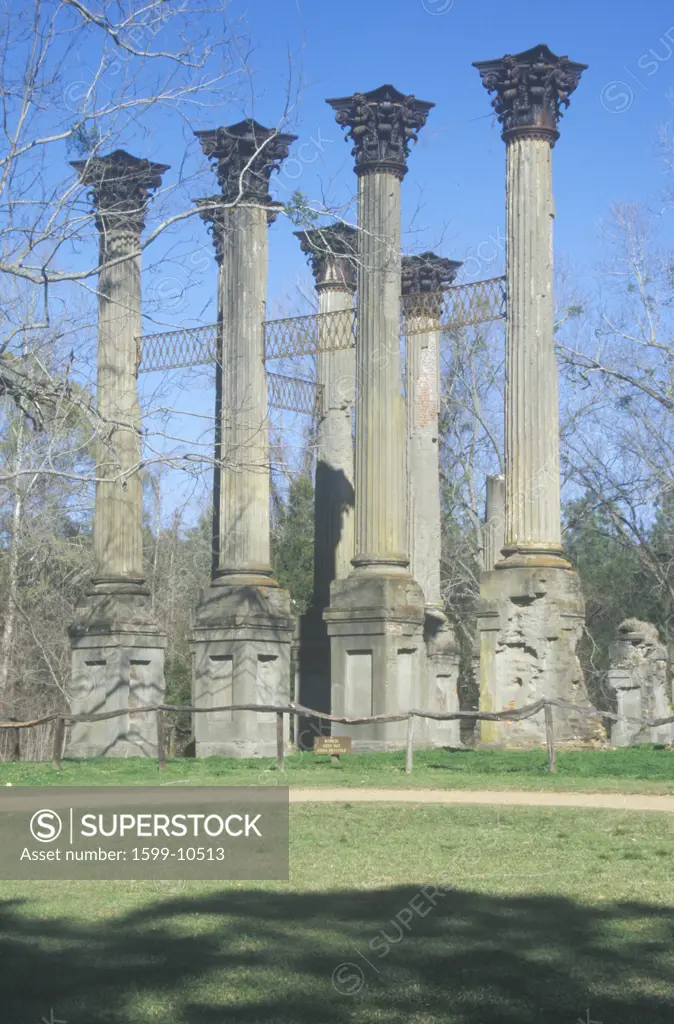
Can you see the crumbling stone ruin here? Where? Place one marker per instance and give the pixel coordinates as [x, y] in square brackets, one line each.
[639, 677]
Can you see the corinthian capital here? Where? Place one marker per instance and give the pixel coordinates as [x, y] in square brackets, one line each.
[245, 154]
[381, 124]
[532, 88]
[422, 281]
[212, 212]
[427, 273]
[119, 187]
[332, 254]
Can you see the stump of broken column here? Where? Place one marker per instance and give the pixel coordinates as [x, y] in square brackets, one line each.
[332, 253]
[117, 647]
[423, 279]
[243, 626]
[531, 609]
[376, 615]
[639, 677]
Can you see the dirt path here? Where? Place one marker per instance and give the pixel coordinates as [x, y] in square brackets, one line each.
[610, 801]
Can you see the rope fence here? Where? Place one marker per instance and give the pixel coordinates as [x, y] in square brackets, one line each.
[61, 720]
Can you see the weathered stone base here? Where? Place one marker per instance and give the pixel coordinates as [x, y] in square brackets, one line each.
[378, 655]
[117, 663]
[241, 655]
[314, 675]
[442, 668]
[639, 677]
[529, 622]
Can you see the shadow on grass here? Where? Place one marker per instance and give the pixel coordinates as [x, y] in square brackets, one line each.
[341, 957]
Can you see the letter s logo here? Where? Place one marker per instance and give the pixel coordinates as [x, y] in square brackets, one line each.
[46, 826]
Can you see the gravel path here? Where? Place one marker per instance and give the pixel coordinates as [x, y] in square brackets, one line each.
[610, 801]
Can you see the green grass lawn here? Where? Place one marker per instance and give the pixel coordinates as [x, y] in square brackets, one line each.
[631, 770]
[552, 916]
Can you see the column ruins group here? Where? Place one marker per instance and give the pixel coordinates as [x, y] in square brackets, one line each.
[376, 639]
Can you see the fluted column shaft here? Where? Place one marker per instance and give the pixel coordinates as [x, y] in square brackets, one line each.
[531, 90]
[242, 478]
[334, 519]
[118, 542]
[532, 405]
[423, 477]
[120, 186]
[494, 526]
[381, 491]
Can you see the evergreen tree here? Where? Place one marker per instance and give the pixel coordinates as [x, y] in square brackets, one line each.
[293, 541]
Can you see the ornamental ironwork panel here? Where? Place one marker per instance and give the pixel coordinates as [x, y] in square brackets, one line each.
[462, 305]
[294, 394]
[175, 350]
[178, 350]
[304, 335]
[293, 336]
[481, 302]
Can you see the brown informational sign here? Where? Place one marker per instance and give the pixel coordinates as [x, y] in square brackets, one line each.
[334, 745]
[153, 832]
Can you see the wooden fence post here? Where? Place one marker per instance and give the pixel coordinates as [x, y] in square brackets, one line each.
[59, 733]
[161, 748]
[550, 736]
[410, 744]
[279, 741]
[16, 745]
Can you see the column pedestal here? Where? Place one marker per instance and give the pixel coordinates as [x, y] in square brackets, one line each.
[117, 664]
[638, 675]
[378, 656]
[529, 622]
[442, 674]
[241, 655]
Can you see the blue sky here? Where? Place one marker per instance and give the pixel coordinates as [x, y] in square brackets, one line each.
[454, 187]
[453, 194]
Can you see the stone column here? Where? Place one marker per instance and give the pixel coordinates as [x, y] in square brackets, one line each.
[375, 619]
[423, 279]
[532, 609]
[493, 533]
[243, 630]
[118, 652]
[332, 254]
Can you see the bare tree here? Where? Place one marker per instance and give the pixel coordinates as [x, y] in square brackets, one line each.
[619, 358]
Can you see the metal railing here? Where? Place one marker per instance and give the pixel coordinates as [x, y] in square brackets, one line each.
[177, 350]
[295, 394]
[461, 305]
[306, 335]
